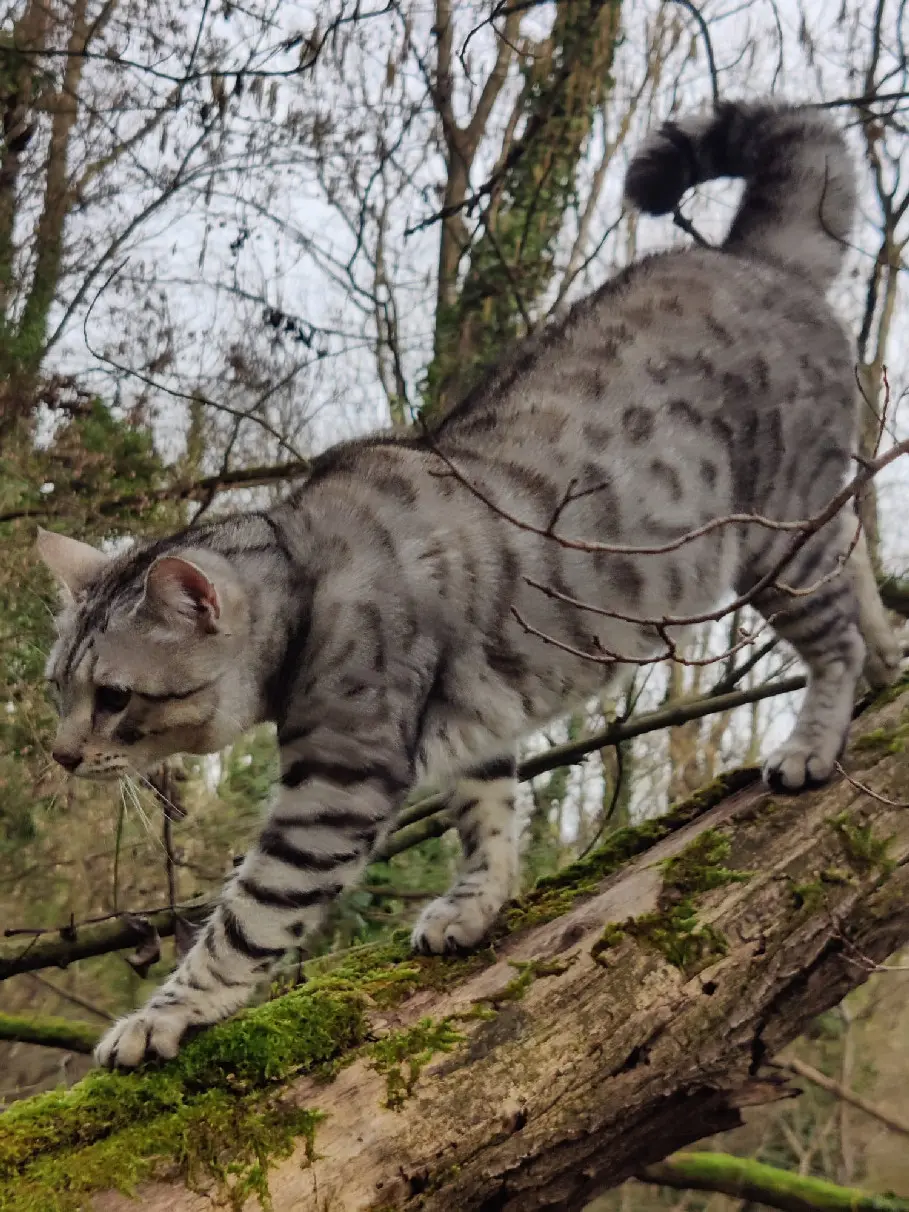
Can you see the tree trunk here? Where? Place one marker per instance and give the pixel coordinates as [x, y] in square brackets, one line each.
[510, 264]
[629, 1006]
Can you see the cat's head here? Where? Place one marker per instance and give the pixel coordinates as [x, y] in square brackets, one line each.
[150, 658]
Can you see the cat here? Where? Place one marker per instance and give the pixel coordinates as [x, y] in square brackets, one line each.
[406, 612]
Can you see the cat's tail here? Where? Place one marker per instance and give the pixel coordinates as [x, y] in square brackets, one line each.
[800, 187]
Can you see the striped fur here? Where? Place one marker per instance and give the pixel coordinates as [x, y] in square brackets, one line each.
[388, 616]
[800, 193]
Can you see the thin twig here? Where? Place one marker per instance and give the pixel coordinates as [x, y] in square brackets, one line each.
[794, 1065]
[875, 795]
[69, 996]
[708, 47]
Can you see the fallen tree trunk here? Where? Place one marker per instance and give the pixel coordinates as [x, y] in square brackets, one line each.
[628, 1008]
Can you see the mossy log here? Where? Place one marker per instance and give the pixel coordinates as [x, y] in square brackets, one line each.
[628, 1007]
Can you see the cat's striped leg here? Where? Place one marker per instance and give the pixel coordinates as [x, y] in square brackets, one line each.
[327, 820]
[483, 802]
[821, 623]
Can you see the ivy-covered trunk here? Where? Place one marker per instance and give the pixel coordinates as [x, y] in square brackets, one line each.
[628, 1006]
[511, 262]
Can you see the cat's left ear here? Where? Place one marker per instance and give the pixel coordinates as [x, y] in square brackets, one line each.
[74, 564]
[177, 590]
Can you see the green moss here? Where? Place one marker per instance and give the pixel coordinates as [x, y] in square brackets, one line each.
[698, 868]
[810, 896]
[389, 972]
[892, 692]
[814, 894]
[402, 1055]
[755, 1182]
[865, 851]
[527, 972]
[112, 1128]
[674, 930]
[613, 934]
[834, 875]
[883, 740]
[673, 933]
[258, 1048]
[555, 894]
[50, 1031]
[218, 1139]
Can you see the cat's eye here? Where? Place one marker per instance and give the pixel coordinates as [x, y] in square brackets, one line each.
[112, 699]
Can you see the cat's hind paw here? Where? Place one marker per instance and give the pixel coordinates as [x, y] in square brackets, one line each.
[798, 767]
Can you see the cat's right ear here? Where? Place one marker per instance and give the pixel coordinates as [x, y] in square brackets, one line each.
[73, 563]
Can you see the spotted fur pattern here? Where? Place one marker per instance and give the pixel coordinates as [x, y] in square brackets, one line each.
[404, 614]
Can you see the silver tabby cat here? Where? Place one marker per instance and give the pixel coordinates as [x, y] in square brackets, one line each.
[403, 613]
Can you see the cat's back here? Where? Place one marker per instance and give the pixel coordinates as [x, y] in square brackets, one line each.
[694, 376]
[699, 325]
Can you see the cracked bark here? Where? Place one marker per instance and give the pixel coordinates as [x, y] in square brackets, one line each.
[607, 1067]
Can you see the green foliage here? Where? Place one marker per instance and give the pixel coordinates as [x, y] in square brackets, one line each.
[94, 455]
[249, 772]
[368, 912]
[97, 457]
[544, 850]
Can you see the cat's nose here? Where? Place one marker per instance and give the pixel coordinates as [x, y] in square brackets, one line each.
[69, 761]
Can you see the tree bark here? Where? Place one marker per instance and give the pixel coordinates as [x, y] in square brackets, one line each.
[592, 1045]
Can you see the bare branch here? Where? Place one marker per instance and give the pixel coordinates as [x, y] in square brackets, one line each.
[199, 490]
[803, 1069]
[692, 8]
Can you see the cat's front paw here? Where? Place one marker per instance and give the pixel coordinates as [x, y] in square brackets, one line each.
[153, 1033]
[449, 925]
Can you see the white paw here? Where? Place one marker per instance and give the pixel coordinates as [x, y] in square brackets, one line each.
[796, 767]
[452, 924]
[148, 1034]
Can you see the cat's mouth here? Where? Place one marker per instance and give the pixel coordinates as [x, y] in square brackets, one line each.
[101, 774]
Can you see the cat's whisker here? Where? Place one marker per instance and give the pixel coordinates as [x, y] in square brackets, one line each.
[160, 797]
[231, 719]
[141, 813]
